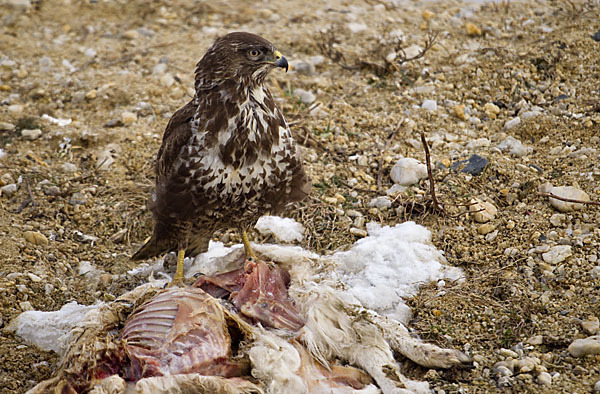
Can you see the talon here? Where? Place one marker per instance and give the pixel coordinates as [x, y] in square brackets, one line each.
[179, 279]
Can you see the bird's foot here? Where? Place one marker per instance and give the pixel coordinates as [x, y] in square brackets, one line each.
[179, 279]
[250, 255]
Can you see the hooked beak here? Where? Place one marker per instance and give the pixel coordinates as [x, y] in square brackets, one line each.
[280, 61]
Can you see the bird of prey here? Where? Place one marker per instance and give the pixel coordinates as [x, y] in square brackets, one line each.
[227, 157]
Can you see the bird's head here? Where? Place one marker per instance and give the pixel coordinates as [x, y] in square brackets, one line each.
[240, 56]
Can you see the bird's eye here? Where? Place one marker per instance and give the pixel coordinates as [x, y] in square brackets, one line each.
[253, 53]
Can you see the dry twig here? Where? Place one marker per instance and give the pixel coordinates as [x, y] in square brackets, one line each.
[568, 199]
[377, 59]
[436, 205]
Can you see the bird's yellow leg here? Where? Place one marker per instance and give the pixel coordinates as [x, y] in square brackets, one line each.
[247, 248]
[178, 279]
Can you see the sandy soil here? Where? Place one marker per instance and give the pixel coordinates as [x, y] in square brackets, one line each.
[120, 69]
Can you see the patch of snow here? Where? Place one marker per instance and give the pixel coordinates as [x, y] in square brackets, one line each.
[50, 330]
[284, 229]
[389, 265]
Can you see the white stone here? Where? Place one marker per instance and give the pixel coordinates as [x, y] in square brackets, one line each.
[167, 80]
[483, 211]
[429, 105]
[591, 326]
[478, 144]
[16, 109]
[513, 146]
[357, 27]
[128, 117]
[408, 171]
[557, 254]
[529, 114]
[69, 167]
[558, 219]
[9, 190]
[544, 378]
[380, 202]
[159, 69]
[570, 192]
[412, 51]
[305, 96]
[5, 126]
[512, 123]
[31, 134]
[597, 387]
[583, 347]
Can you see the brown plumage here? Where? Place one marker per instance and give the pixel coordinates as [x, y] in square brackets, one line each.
[227, 156]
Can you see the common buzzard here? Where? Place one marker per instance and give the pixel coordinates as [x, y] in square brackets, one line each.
[227, 157]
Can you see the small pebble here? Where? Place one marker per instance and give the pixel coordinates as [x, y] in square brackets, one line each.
[31, 134]
[159, 69]
[16, 110]
[128, 117]
[35, 237]
[513, 146]
[557, 254]
[78, 198]
[508, 353]
[34, 277]
[558, 219]
[26, 306]
[529, 114]
[483, 211]
[131, 35]
[459, 111]
[357, 27]
[485, 228]
[303, 68]
[474, 165]
[5, 126]
[52, 190]
[408, 171]
[91, 94]
[472, 30]
[69, 167]
[305, 96]
[512, 123]
[427, 15]
[583, 347]
[9, 190]
[491, 110]
[591, 326]
[380, 202]
[358, 232]
[544, 378]
[167, 80]
[536, 340]
[429, 105]
[569, 192]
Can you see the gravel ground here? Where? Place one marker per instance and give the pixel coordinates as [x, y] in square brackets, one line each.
[508, 97]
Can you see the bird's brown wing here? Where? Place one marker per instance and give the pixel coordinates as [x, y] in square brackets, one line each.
[167, 199]
[177, 134]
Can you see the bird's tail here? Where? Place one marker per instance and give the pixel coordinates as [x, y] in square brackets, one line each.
[152, 248]
[159, 245]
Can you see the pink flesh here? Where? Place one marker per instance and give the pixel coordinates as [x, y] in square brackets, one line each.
[179, 331]
[264, 298]
[259, 293]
